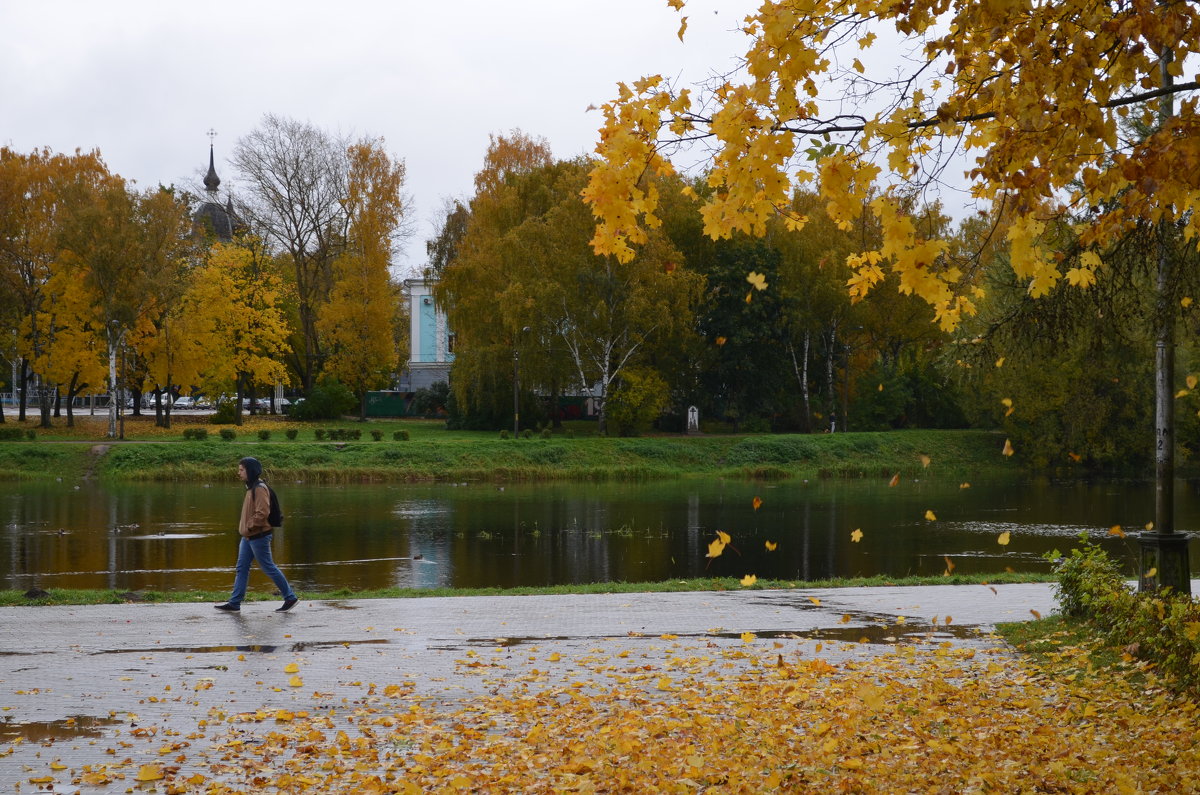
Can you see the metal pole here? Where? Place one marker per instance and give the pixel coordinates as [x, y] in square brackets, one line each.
[1164, 556]
[516, 394]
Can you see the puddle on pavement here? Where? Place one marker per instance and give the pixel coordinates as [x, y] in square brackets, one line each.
[70, 728]
[252, 648]
[872, 633]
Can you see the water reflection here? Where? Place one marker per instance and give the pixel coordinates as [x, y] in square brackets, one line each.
[181, 536]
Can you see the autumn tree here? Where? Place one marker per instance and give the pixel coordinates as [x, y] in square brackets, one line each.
[1035, 92]
[232, 311]
[358, 323]
[296, 177]
[525, 283]
[39, 192]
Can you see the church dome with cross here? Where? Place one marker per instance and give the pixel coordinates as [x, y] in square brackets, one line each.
[211, 218]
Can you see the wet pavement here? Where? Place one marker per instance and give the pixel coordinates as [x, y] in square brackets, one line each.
[79, 685]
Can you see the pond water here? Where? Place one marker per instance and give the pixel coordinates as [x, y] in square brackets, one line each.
[176, 536]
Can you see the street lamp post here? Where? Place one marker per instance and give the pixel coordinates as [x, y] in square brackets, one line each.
[517, 385]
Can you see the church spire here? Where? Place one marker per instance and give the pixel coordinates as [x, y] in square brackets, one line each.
[211, 180]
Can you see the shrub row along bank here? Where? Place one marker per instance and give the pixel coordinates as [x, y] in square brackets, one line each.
[951, 454]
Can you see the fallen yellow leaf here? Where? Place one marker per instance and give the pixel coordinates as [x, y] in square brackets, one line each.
[149, 773]
[931, 516]
[1116, 530]
[291, 668]
[749, 580]
[1003, 539]
[814, 600]
[748, 637]
[295, 681]
[856, 536]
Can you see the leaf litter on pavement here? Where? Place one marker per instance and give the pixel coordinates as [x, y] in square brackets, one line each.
[699, 714]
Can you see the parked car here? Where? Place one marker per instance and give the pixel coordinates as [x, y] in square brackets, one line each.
[184, 402]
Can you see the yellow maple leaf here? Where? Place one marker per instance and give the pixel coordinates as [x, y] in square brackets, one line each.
[725, 537]
[1116, 530]
[964, 485]
[815, 600]
[857, 535]
[554, 657]
[149, 773]
[924, 460]
[1151, 573]
[1004, 538]
[1000, 362]
[1181, 393]
[1192, 381]
[770, 545]
[715, 548]
[291, 668]
[1008, 448]
[1185, 302]
[749, 580]
[756, 502]
[895, 480]
[676, 4]
[295, 681]
[1149, 526]
[720, 341]
[57, 765]
[748, 637]
[758, 280]
[931, 516]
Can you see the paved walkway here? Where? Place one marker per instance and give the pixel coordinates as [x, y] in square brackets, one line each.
[79, 682]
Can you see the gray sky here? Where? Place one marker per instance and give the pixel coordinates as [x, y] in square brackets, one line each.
[144, 81]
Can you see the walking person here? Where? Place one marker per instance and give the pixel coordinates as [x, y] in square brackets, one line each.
[256, 531]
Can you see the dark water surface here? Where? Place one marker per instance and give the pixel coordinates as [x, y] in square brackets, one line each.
[173, 536]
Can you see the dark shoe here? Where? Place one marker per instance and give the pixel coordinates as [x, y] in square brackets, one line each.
[228, 608]
[287, 605]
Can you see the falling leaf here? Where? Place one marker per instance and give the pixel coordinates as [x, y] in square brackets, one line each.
[1008, 448]
[725, 537]
[947, 620]
[929, 515]
[924, 460]
[715, 548]
[554, 657]
[756, 502]
[1185, 302]
[1000, 362]
[1151, 573]
[949, 563]
[1003, 539]
[758, 280]
[1192, 381]
[749, 296]
[1181, 393]
[856, 536]
[881, 387]
[1149, 526]
[291, 668]
[1036, 614]
[770, 545]
[1076, 457]
[1008, 404]
[669, 267]
[964, 485]
[749, 580]
[149, 773]
[682, 27]
[720, 341]
[901, 620]
[295, 681]
[1116, 530]
[895, 480]
[748, 637]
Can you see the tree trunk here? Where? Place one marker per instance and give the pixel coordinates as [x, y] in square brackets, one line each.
[24, 397]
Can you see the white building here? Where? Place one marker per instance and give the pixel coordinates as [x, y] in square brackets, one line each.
[431, 343]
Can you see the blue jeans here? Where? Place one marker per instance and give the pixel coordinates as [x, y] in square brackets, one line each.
[252, 549]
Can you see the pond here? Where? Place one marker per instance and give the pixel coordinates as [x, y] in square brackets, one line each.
[177, 536]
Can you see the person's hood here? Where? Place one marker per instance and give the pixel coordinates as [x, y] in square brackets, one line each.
[253, 471]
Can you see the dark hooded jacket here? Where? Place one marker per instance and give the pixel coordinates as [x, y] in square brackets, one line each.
[257, 504]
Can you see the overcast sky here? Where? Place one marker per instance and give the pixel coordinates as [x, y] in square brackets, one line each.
[143, 82]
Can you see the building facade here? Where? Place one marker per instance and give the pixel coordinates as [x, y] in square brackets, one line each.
[431, 343]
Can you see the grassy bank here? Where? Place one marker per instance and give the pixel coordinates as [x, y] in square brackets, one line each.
[430, 455]
[61, 596]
